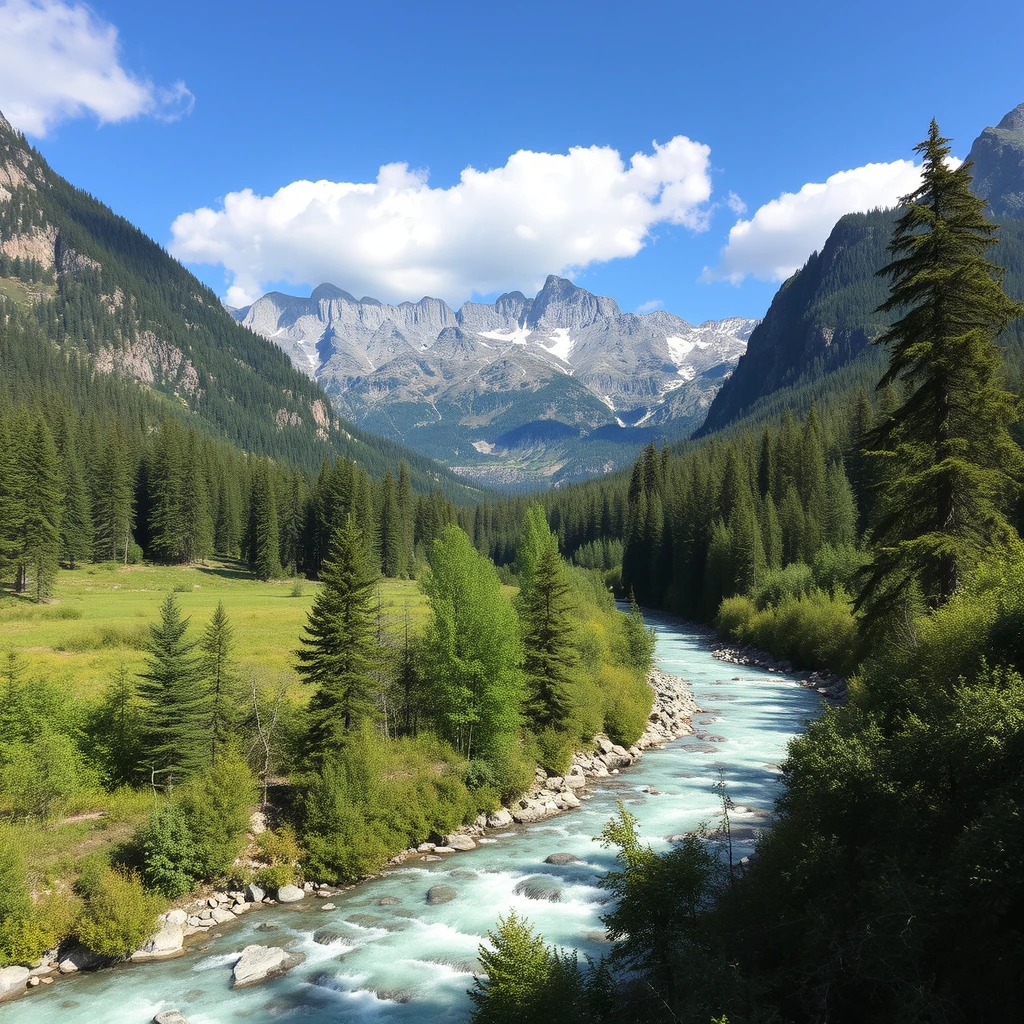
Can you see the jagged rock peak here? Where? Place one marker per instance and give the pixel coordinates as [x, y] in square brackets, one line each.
[560, 303]
[5, 125]
[1014, 120]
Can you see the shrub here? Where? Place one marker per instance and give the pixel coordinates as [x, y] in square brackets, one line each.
[119, 915]
[555, 750]
[627, 699]
[734, 616]
[778, 585]
[40, 777]
[171, 863]
[275, 875]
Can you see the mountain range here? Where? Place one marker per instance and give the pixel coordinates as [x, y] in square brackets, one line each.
[100, 292]
[522, 391]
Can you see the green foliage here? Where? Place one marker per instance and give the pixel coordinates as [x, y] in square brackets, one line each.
[337, 654]
[119, 915]
[38, 778]
[375, 797]
[472, 650]
[171, 862]
[949, 460]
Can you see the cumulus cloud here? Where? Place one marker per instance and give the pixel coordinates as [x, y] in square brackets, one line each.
[59, 60]
[399, 237]
[650, 306]
[780, 236]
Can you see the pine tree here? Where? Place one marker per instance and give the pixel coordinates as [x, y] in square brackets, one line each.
[174, 729]
[76, 532]
[406, 519]
[339, 652]
[196, 520]
[546, 608]
[950, 461]
[43, 498]
[113, 499]
[217, 646]
[264, 545]
[389, 533]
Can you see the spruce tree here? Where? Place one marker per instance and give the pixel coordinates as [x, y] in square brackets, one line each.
[950, 462]
[217, 646]
[264, 537]
[42, 502]
[339, 651]
[546, 607]
[406, 519]
[389, 534]
[174, 726]
[113, 501]
[76, 532]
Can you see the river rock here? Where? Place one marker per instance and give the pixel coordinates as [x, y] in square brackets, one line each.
[499, 819]
[240, 908]
[254, 892]
[438, 894]
[576, 781]
[258, 963]
[221, 915]
[538, 888]
[388, 901]
[561, 858]
[170, 1017]
[167, 941]
[458, 841]
[568, 801]
[13, 981]
[603, 744]
[80, 959]
[290, 894]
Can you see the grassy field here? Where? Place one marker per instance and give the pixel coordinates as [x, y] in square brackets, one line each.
[100, 614]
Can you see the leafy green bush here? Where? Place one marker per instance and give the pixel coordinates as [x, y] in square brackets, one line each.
[273, 876]
[836, 569]
[778, 585]
[555, 750]
[119, 915]
[171, 863]
[734, 616]
[39, 778]
[626, 698]
[376, 797]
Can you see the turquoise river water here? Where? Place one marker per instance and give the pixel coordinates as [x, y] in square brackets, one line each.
[413, 962]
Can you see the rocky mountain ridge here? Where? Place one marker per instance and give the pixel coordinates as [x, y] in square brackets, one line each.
[521, 390]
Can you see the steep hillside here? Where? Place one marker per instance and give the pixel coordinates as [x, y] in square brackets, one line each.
[98, 287]
[823, 319]
[520, 391]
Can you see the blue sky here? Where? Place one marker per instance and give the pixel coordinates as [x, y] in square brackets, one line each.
[185, 104]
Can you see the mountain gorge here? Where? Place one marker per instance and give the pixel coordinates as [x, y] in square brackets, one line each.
[522, 391]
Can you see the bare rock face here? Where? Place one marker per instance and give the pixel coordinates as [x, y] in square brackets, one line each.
[259, 963]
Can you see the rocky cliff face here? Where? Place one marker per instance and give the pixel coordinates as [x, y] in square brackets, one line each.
[481, 387]
[998, 156]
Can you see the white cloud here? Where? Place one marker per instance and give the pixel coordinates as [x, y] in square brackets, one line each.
[780, 236]
[398, 237]
[59, 60]
[736, 204]
[650, 306]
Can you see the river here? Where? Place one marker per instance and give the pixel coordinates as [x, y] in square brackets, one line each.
[412, 962]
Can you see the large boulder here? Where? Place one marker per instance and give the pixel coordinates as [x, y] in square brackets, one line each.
[170, 1017]
[222, 915]
[80, 959]
[561, 858]
[499, 819]
[538, 888]
[167, 942]
[258, 963]
[13, 981]
[438, 894]
[290, 894]
[459, 841]
[254, 892]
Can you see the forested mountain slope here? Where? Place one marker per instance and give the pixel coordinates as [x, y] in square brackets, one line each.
[76, 277]
[823, 319]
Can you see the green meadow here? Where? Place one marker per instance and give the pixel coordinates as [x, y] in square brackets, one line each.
[99, 618]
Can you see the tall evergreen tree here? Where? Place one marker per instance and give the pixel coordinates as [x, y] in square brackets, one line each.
[174, 727]
[113, 497]
[264, 543]
[43, 498]
[339, 652]
[950, 460]
[390, 530]
[217, 646]
[406, 519]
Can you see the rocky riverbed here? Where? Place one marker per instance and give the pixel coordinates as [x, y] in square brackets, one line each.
[829, 684]
[671, 717]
